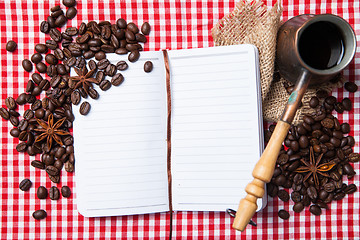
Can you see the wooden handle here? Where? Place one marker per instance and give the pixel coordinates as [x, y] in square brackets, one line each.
[262, 174]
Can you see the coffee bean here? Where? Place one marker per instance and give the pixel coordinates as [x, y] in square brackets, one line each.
[59, 153]
[71, 13]
[51, 59]
[339, 107]
[69, 3]
[61, 69]
[61, 20]
[129, 35]
[121, 51]
[347, 105]
[15, 132]
[85, 108]
[107, 48]
[39, 214]
[10, 103]
[296, 196]
[350, 141]
[36, 58]
[27, 65]
[41, 67]
[117, 79]
[122, 65]
[37, 78]
[58, 164]
[354, 157]
[315, 209]
[4, 113]
[44, 27]
[145, 28]
[51, 170]
[283, 214]
[41, 192]
[283, 195]
[298, 207]
[65, 191]
[100, 55]
[312, 192]
[51, 21]
[55, 35]
[345, 128]
[57, 13]
[110, 70]
[121, 23]
[351, 188]
[75, 97]
[134, 56]
[11, 46]
[105, 85]
[25, 184]
[38, 164]
[37, 90]
[132, 27]
[93, 93]
[351, 87]
[69, 167]
[41, 48]
[314, 102]
[54, 193]
[148, 66]
[339, 196]
[102, 64]
[348, 169]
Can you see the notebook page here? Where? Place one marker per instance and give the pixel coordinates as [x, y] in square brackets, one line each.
[216, 126]
[120, 146]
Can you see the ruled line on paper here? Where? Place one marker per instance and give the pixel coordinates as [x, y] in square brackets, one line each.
[137, 206]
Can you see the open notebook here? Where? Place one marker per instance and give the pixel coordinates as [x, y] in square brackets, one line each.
[216, 135]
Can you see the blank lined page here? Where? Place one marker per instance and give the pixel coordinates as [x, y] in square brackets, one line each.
[216, 126]
[120, 146]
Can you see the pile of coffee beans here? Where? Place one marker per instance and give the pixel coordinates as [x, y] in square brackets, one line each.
[45, 127]
[319, 181]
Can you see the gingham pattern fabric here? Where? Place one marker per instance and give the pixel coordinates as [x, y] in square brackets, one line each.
[175, 25]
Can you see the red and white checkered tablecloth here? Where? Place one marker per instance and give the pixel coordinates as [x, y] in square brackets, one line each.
[175, 25]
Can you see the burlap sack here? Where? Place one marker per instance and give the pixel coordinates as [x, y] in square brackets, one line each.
[253, 23]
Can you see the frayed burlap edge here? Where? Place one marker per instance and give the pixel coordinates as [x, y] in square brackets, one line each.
[252, 23]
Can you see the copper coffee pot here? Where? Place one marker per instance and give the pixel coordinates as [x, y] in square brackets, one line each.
[311, 49]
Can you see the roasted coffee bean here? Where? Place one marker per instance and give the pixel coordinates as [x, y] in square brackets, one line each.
[38, 164]
[283, 214]
[51, 44]
[28, 114]
[331, 100]
[133, 56]
[85, 108]
[75, 97]
[41, 48]
[283, 195]
[145, 28]
[114, 41]
[121, 23]
[69, 3]
[323, 194]
[68, 141]
[82, 28]
[148, 66]
[61, 20]
[110, 70]
[37, 78]
[133, 47]
[36, 58]
[27, 65]
[327, 123]
[298, 207]
[37, 90]
[121, 51]
[47, 159]
[347, 105]
[10, 103]
[122, 65]
[15, 132]
[88, 54]
[298, 178]
[322, 94]
[39, 214]
[59, 153]
[55, 8]
[315, 209]
[351, 188]
[83, 38]
[11, 46]
[51, 22]
[23, 135]
[61, 69]
[92, 64]
[55, 35]
[51, 170]
[54, 193]
[21, 147]
[117, 79]
[42, 192]
[25, 184]
[93, 93]
[345, 128]
[280, 180]
[51, 59]
[296, 196]
[58, 164]
[23, 124]
[105, 85]
[107, 48]
[339, 107]
[350, 141]
[354, 157]
[105, 32]
[65, 191]
[67, 53]
[339, 196]
[314, 102]
[57, 14]
[132, 27]
[71, 13]
[44, 27]
[54, 179]
[348, 169]
[41, 67]
[30, 98]
[351, 87]
[102, 64]
[312, 192]
[4, 113]
[100, 55]
[30, 86]
[293, 166]
[69, 167]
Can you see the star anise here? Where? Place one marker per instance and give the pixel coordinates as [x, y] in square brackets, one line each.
[51, 131]
[83, 80]
[313, 167]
